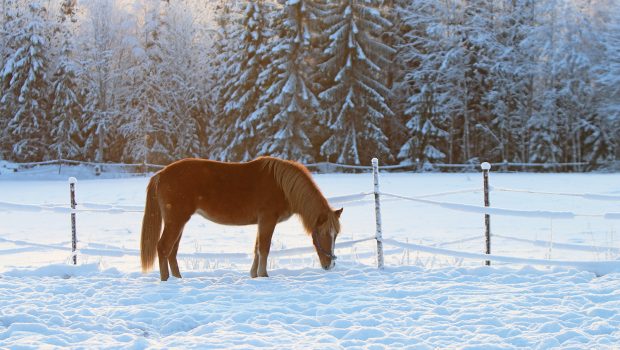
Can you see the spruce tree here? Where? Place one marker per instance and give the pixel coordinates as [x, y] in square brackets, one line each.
[421, 57]
[236, 127]
[585, 132]
[223, 49]
[467, 77]
[288, 106]
[187, 80]
[25, 96]
[607, 69]
[67, 101]
[10, 24]
[544, 143]
[149, 127]
[396, 12]
[355, 61]
[512, 76]
[100, 74]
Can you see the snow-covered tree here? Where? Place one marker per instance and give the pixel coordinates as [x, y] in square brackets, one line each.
[569, 103]
[188, 82]
[25, 97]
[396, 12]
[355, 60]
[606, 17]
[511, 79]
[224, 45]
[426, 139]
[148, 126]
[288, 106]
[10, 12]
[229, 21]
[421, 59]
[66, 109]
[438, 81]
[451, 47]
[465, 74]
[100, 73]
[236, 129]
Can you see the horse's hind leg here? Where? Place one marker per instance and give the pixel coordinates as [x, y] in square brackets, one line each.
[172, 259]
[254, 269]
[263, 243]
[166, 246]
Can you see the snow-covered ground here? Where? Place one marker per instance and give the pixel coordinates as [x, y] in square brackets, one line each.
[420, 300]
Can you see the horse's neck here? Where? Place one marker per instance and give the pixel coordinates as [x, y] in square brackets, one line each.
[304, 197]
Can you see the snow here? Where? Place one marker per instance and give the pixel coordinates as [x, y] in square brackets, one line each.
[351, 307]
[598, 267]
[433, 293]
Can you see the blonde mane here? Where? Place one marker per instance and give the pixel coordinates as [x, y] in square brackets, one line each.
[301, 192]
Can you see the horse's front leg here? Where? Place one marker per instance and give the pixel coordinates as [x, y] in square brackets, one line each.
[266, 226]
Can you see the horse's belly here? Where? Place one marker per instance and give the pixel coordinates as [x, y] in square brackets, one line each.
[223, 219]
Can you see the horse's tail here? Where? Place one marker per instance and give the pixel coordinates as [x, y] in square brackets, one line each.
[151, 226]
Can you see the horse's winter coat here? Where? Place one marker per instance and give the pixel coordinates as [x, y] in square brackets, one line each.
[265, 191]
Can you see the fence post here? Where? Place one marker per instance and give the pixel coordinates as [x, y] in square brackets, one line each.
[487, 218]
[379, 234]
[59, 161]
[146, 151]
[72, 182]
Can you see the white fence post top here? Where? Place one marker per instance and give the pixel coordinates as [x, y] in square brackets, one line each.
[375, 161]
[72, 180]
[485, 166]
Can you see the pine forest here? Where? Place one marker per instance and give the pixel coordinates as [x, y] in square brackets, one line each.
[417, 81]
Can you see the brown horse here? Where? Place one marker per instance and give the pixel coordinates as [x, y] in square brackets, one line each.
[265, 191]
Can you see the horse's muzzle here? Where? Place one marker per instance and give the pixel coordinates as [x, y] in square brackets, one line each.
[330, 266]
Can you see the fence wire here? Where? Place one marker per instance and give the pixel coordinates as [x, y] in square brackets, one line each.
[589, 196]
[599, 267]
[547, 214]
[331, 167]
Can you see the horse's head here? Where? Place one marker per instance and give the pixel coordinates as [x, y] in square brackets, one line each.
[324, 237]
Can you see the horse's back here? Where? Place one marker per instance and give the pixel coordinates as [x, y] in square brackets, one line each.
[227, 193]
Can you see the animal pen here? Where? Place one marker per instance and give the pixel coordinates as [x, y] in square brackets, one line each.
[382, 238]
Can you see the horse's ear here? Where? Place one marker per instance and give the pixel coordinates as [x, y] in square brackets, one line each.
[338, 212]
